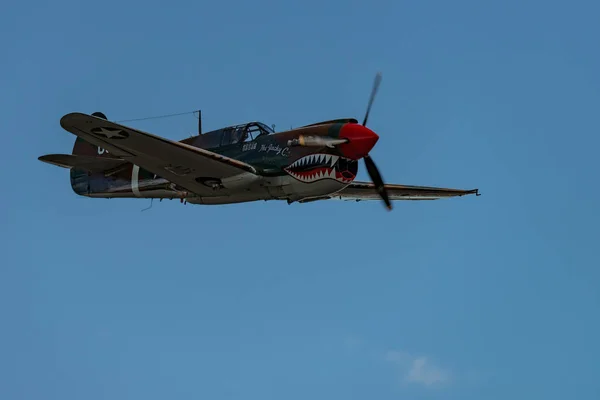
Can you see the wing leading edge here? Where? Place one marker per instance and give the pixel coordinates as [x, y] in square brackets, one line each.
[359, 191]
[175, 161]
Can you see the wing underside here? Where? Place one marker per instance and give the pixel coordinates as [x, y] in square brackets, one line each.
[177, 162]
[359, 191]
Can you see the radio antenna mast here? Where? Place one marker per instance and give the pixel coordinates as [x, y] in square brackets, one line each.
[199, 122]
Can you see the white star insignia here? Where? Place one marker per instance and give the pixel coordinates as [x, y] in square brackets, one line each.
[110, 133]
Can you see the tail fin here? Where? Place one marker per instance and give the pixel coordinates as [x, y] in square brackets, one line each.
[88, 162]
[84, 156]
[83, 148]
[94, 171]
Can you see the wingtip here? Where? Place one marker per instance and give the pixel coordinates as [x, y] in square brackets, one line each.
[65, 119]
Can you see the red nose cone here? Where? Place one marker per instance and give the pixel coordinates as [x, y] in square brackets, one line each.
[362, 140]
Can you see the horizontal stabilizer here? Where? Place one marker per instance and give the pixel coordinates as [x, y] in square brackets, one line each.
[88, 163]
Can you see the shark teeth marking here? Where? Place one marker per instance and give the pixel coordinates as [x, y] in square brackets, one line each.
[317, 176]
[315, 167]
[317, 160]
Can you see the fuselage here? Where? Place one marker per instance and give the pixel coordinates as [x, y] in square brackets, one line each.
[284, 171]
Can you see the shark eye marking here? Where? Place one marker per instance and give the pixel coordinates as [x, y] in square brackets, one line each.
[316, 167]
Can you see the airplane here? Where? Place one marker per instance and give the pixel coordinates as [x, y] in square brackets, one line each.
[235, 164]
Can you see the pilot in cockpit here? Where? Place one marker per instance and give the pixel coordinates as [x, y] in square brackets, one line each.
[242, 134]
[238, 135]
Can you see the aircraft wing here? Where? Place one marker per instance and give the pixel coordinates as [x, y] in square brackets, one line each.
[175, 161]
[359, 191]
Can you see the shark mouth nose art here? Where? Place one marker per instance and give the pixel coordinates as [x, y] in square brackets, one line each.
[315, 167]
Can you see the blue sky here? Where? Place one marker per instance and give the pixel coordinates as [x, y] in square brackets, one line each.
[489, 297]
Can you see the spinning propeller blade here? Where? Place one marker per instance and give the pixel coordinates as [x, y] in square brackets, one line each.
[319, 141]
[372, 98]
[369, 163]
[376, 178]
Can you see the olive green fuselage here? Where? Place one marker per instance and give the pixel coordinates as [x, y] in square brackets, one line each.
[283, 171]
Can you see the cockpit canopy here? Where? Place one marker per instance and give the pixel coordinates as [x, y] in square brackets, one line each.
[233, 134]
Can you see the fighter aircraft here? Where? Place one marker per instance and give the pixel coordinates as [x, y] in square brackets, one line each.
[235, 164]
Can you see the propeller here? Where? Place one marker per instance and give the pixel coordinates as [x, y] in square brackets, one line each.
[320, 141]
[369, 163]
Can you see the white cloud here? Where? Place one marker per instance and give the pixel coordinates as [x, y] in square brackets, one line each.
[417, 369]
[422, 371]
